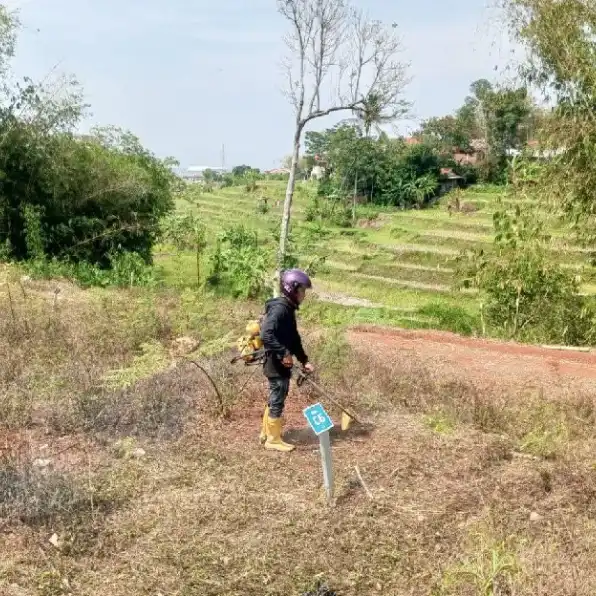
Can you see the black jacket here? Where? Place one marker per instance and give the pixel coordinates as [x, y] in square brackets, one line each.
[280, 336]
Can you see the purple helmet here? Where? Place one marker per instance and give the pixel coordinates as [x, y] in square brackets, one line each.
[291, 280]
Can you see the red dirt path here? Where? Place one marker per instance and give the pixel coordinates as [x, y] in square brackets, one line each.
[471, 358]
[448, 357]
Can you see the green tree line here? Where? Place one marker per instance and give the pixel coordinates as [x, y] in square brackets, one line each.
[71, 197]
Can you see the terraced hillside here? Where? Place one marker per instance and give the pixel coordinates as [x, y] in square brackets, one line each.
[397, 268]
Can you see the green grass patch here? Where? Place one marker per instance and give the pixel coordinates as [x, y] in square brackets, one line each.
[405, 263]
[406, 272]
[453, 318]
[335, 315]
[440, 422]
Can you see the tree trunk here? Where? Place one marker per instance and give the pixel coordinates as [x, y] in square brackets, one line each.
[198, 263]
[287, 212]
[354, 200]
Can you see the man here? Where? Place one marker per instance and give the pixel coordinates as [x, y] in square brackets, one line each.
[282, 343]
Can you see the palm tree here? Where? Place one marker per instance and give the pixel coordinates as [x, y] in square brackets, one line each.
[424, 188]
[370, 114]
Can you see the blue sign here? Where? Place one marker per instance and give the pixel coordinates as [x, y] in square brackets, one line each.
[318, 419]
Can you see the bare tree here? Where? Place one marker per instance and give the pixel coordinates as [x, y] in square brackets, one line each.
[338, 59]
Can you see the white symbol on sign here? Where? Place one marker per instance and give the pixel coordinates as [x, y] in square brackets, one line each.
[319, 419]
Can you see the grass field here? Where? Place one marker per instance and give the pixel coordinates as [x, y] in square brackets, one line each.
[123, 472]
[472, 473]
[401, 262]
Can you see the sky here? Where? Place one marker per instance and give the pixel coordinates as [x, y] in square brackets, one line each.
[188, 76]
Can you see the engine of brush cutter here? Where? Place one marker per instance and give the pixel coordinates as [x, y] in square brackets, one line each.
[250, 346]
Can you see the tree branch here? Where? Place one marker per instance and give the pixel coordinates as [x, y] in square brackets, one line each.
[322, 113]
[328, 40]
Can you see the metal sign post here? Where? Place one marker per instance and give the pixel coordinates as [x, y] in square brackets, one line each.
[321, 424]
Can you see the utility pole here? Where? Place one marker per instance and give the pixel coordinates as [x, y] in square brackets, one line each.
[223, 158]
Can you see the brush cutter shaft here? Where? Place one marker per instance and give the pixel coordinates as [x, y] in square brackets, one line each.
[302, 377]
[257, 357]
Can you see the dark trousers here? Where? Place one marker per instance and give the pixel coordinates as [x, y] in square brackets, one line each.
[278, 391]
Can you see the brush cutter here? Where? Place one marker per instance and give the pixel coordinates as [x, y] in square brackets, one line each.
[257, 357]
[250, 358]
[250, 346]
[346, 415]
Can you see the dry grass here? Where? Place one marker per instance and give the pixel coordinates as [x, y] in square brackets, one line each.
[33, 496]
[73, 359]
[477, 489]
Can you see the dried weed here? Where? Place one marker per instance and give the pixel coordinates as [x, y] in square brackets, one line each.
[475, 487]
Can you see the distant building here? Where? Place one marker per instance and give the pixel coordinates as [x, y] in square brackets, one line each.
[465, 159]
[284, 171]
[412, 141]
[192, 176]
[449, 180]
[473, 156]
[479, 145]
[532, 151]
[195, 174]
[201, 169]
[317, 173]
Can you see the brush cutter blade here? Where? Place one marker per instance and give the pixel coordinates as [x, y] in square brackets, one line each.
[346, 421]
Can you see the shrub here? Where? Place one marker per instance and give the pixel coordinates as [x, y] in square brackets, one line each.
[79, 200]
[262, 206]
[332, 210]
[528, 296]
[125, 270]
[468, 171]
[227, 181]
[239, 266]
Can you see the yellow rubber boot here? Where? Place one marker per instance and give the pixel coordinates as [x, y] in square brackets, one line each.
[263, 435]
[274, 441]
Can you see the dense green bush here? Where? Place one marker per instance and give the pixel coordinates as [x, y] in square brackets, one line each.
[228, 181]
[332, 210]
[82, 206]
[262, 207]
[380, 171]
[125, 270]
[239, 266]
[528, 296]
[469, 172]
[79, 200]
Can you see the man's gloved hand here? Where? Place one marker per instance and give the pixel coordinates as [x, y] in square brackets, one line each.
[288, 361]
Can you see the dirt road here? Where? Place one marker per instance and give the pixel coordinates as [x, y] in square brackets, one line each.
[479, 359]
